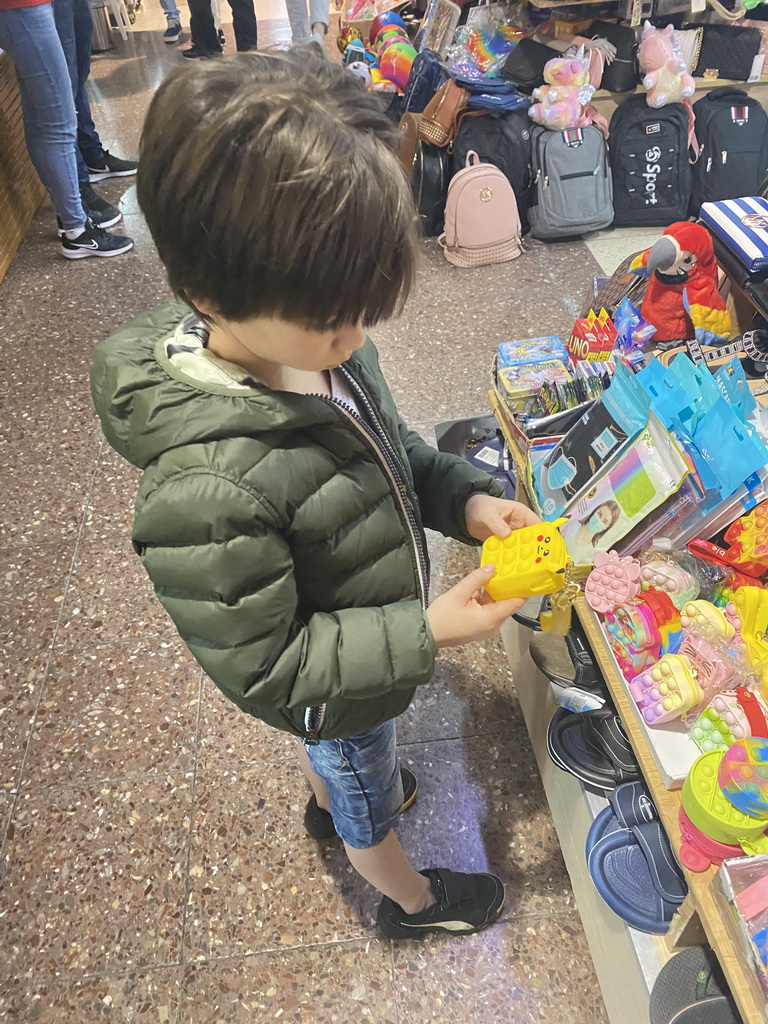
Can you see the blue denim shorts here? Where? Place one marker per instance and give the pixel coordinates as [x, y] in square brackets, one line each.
[362, 777]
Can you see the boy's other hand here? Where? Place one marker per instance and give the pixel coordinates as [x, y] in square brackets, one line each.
[487, 516]
[464, 613]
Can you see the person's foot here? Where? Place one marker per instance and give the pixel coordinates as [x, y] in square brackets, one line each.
[94, 241]
[112, 167]
[97, 209]
[195, 53]
[463, 904]
[172, 32]
[319, 823]
[222, 39]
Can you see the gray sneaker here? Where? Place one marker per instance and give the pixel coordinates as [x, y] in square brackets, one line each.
[172, 33]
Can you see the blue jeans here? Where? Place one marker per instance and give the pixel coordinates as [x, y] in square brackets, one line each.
[302, 19]
[29, 35]
[74, 23]
[170, 10]
[363, 780]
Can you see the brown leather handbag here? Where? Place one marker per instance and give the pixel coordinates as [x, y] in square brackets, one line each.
[440, 120]
[409, 140]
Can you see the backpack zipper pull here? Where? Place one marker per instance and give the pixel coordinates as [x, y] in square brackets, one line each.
[725, 155]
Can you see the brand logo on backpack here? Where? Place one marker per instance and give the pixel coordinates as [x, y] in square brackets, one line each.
[486, 195]
[650, 174]
[740, 115]
[573, 137]
[653, 129]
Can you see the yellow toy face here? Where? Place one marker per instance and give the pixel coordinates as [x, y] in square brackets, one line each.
[529, 562]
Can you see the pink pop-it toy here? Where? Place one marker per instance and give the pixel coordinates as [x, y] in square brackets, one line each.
[613, 581]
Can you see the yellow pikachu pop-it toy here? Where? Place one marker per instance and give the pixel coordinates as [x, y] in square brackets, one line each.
[529, 562]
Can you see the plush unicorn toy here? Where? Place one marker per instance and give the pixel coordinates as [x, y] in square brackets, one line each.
[562, 104]
[666, 77]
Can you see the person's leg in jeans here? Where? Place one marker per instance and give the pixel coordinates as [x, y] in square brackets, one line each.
[64, 13]
[358, 781]
[29, 35]
[298, 16]
[170, 10]
[201, 25]
[244, 24]
[88, 140]
[319, 18]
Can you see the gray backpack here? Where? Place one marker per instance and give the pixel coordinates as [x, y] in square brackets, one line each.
[573, 187]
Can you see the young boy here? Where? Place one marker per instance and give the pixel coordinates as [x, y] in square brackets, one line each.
[280, 511]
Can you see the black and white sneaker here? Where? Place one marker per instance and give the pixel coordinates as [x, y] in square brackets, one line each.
[172, 32]
[112, 167]
[319, 823]
[222, 39]
[97, 209]
[463, 904]
[94, 241]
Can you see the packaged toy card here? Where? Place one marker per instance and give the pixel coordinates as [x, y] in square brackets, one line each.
[645, 475]
[592, 337]
[614, 420]
[520, 385]
[631, 330]
[531, 350]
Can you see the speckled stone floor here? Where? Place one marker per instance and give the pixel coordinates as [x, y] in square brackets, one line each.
[154, 865]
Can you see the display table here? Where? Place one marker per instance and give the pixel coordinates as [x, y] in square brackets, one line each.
[700, 917]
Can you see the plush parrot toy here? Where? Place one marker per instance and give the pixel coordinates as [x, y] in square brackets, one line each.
[682, 300]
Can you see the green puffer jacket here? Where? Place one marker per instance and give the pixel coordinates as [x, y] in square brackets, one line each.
[281, 537]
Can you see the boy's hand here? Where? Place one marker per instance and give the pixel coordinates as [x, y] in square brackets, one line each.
[462, 614]
[487, 516]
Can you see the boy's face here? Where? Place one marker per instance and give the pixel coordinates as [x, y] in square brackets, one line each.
[287, 344]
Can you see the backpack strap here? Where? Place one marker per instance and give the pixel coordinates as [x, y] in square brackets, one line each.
[693, 142]
[592, 116]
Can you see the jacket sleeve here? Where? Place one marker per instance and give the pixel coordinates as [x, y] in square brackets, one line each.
[443, 485]
[226, 579]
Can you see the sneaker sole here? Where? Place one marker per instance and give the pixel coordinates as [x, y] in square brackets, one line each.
[81, 254]
[94, 176]
[401, 931]
[173, 39]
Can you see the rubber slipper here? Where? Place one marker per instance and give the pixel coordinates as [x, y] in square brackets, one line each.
[568, 660]
[631, 862]
[593, 746]
[691, 989]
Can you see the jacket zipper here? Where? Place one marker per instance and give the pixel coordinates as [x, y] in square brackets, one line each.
[314, 716]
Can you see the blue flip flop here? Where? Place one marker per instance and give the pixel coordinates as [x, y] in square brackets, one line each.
[631, 861]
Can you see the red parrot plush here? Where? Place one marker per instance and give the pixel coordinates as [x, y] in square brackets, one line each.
[682, 300]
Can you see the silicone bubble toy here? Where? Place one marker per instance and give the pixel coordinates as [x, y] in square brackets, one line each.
[708, 809]
[748, 538]
[529, 562]
[667, 690]
[613, 581]
[743, 777]
[748, 614]
[706, 618]
[667, 618]
[716, 667]
[720, 725]
[634, 637]
[662, 574]
[698, 852]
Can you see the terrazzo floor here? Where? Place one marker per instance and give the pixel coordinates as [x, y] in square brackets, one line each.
[154, 865]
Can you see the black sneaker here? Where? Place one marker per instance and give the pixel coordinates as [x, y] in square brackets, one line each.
[94, 241]
[112, 167]
[172, 32]
[222, 39]
[97, 209]
[464, 904]
[195, 53]
[319, 823]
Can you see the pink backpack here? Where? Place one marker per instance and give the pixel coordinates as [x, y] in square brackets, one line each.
[482, 223]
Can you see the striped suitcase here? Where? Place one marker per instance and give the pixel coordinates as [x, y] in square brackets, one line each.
[742, 225]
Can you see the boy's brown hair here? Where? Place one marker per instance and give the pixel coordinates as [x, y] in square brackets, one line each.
[271, 188]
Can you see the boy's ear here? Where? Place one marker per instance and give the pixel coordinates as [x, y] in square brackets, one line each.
[203, 306]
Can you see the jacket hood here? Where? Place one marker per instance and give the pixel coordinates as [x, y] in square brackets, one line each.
[147, 406]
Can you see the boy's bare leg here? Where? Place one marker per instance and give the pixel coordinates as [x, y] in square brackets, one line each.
[388, 869]
[317, 784]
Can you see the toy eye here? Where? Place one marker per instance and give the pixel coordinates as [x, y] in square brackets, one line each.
[546, 552]
[546, 541]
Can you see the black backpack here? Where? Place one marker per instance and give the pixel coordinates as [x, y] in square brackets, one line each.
[732, 129]
[649, 160]
[423, 82]
[431, 173]
[504, 140]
